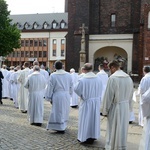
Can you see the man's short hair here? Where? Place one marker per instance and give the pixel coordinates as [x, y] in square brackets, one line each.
[35, 63]
[114, 63]
[88, 67]
[146, 69]
[58, 65]
[26, 64]
[36, 68]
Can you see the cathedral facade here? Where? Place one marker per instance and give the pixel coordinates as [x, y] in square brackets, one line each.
[113, 30]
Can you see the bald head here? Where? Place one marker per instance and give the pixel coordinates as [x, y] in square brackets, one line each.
[88, 67]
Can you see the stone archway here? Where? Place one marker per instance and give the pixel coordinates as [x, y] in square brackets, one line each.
[106, 54]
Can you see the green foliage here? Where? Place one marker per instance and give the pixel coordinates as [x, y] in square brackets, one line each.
[9, 34]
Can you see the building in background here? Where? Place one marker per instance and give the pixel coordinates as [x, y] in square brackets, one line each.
[42, 38]
[114, 30]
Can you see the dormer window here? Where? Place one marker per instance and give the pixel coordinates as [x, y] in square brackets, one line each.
[54, 24]
[45, 25]
[18, 25]
[35, 25]
[62, 24]
[26, 25]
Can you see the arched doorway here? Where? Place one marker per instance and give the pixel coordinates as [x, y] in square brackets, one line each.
[106, 54]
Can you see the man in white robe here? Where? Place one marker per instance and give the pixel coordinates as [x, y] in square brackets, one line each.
[144, 117]
[82, 73]
[116, 107]
[89, 88]
[59, 91]
[36, 84]
[5, 84]
[14, 86]
[10, 88]
[23, 92]
[74, 101]
[143, 87]
[103, 76]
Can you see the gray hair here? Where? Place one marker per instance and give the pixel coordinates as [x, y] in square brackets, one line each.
[36, 68]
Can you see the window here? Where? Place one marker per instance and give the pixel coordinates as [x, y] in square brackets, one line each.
[44, 42]
[54, 47]
[27, 54]
[35, 53]
[40, 42]
[54, 24]
[113, 20]
[18, 54]
[62, 24]
[31, 42]
[62, 47]
[26, 25]
[44, 53]
[45, 25]
[62, 52]
[22, 43]
[62, 41]
[54, 52]
[31, 54]
[26, 43]
[35, 43]
[35, 25]
[54, 42]
[22, 53]
[40, 54]
[149, 20]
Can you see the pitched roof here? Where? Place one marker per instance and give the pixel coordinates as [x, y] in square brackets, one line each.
[40, 19]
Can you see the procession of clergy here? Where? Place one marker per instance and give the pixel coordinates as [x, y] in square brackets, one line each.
[95, 94]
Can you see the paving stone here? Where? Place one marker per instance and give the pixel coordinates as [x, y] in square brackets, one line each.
[17, 134]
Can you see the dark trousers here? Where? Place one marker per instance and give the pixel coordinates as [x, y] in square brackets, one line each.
[0, 91]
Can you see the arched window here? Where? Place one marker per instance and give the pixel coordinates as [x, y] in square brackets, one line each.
[149, 20]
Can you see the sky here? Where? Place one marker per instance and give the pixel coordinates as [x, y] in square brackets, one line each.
[35, 6]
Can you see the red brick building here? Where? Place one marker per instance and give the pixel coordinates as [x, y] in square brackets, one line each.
[114, 28]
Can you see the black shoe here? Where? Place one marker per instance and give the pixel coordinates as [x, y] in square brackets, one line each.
[89, 141]
[62, 132]
[1, 102]
[24, 111]
[130, 122]
[38, 124]
[74, 106]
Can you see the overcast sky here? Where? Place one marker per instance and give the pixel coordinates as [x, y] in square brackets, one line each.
[35, 6]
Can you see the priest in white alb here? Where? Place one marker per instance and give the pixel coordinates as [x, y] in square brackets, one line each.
[89, 89]
[103, 77]
[144, 88]
[58, 92]
[36, 84]
[74, 101]
[116, 106]
[23, 92]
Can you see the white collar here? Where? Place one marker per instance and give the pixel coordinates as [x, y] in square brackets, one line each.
[147, 75]
[120, 73]
[60, 71]
[89, 75]
[101, 72]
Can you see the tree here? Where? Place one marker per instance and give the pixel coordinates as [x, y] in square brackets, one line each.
[9, 33]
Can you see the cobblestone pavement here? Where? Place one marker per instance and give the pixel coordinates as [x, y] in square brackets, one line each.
[17, 134]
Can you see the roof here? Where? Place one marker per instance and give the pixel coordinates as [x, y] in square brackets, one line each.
[40, 19]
